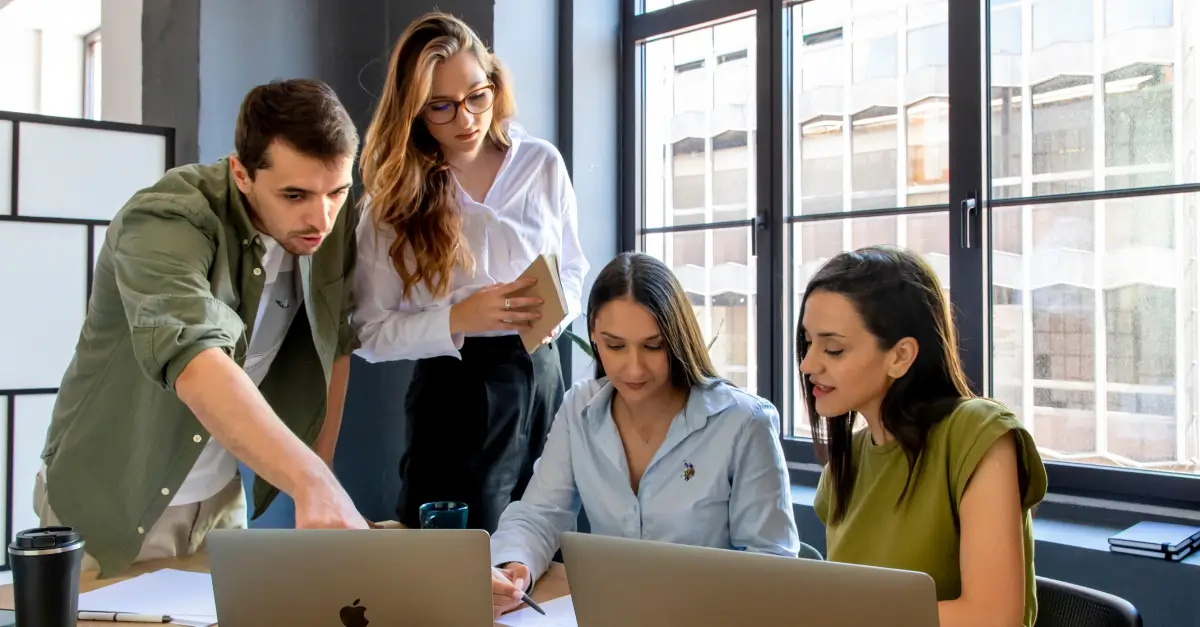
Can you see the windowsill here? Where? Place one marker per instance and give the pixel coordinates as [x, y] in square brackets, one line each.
[1066, 522]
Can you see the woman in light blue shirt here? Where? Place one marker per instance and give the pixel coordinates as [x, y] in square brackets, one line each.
[656, 447]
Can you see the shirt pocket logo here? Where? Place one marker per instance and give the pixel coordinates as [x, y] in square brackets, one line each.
[689, 471]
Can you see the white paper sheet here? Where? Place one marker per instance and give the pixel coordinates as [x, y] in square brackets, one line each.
[185, 596]
[560, 612]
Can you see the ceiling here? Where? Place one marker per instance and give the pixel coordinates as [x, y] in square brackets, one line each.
[78, 17]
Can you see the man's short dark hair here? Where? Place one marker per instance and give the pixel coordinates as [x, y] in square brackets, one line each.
[304, 113]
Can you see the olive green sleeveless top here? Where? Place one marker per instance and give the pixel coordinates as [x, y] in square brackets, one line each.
[922, 533]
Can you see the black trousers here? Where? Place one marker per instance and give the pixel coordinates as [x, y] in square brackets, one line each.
[477, 426]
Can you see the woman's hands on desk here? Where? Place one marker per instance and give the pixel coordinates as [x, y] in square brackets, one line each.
[485, 309]
[508, 584]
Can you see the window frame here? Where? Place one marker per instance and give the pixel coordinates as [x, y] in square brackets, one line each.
[969, 212]
[91, 106]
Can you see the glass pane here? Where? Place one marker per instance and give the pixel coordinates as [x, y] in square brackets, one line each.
[717, 271]
[1094, 328]
[814, 243]
[870, 132]
[4, 422]
[655, 5]
[699, 140]
[1096, 92]
[43, 268]
[30, 421]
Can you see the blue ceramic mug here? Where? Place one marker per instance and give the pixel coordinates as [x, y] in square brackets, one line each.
[443, 515]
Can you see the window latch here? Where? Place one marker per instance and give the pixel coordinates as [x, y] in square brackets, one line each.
[970, 210]
[757, 225]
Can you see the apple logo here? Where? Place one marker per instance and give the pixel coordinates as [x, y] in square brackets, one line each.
[354, 615]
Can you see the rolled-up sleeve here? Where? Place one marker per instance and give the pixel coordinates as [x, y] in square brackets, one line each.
[162, 256]
[529, 529]
[761, 519]
[389, 326]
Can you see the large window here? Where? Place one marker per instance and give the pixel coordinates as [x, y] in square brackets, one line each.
[868, 144]
[1052, 181]
[699, 199]
[1094, 282]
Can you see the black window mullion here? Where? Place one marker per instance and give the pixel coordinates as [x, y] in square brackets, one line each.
[683, 16]
[968, 281]
[770, 167]
[630, 125]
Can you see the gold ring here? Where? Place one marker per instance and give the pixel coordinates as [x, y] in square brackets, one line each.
[507, 304]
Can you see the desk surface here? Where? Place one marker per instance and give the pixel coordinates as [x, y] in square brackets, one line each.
[551, 586]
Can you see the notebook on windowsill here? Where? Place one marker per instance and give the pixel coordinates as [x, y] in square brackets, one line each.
[554, 306]
[1157, 540]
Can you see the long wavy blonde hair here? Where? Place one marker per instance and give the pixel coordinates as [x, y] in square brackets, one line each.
[406, 177]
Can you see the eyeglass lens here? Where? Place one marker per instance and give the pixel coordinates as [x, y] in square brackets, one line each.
[444, 111]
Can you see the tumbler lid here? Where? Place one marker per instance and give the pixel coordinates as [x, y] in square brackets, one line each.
[45, 540]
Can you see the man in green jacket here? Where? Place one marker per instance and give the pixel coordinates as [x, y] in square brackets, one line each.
[217, 331]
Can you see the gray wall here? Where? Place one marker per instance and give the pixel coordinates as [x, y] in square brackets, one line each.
[234, 38]
[171, 71]
[525, 38]
[201, 56]
[591, 95]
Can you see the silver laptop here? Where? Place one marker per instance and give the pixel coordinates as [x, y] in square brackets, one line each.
[328, 578]
[617, 582]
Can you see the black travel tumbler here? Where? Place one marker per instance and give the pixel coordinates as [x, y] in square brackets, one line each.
[45, 567]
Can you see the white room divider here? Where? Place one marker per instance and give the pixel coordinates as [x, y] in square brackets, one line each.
[61, 182]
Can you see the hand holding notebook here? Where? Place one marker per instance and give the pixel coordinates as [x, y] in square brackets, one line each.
[554, 303]
[499, 307]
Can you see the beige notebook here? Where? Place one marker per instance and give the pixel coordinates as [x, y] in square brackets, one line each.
[554, 308]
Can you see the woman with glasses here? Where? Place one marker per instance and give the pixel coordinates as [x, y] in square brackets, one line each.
[460, 200]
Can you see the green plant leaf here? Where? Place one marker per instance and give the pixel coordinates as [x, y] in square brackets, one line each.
[716, 335]
[580, 342]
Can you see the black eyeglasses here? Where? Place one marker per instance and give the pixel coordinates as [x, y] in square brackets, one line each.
[476, 102]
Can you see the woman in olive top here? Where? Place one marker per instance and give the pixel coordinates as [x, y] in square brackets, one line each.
[938, 481]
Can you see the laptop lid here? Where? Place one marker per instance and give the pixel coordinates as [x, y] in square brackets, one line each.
[326, 578]
[618, 582]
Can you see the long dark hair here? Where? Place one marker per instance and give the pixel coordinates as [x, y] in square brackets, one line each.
[898, 295]
[651, 284]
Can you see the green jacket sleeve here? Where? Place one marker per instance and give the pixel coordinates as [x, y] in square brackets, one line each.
[348, 340]
[162, 257]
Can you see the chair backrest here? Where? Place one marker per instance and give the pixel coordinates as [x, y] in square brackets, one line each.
[1062, 604]
[808, 552]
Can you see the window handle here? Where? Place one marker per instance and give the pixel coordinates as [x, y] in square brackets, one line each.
[757, 224]
[970, 210]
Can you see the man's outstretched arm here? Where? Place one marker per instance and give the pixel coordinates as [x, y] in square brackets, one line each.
[231, 408]
[183, 339]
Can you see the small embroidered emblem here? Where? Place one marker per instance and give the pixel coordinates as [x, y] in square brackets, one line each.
[689, 471]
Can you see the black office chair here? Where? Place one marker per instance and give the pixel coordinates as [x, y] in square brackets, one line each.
[809, 552]
[1062, 604]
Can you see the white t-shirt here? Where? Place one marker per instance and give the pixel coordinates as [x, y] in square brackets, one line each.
[282, 296]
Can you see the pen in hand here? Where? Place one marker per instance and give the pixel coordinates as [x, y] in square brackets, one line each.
[526, 599]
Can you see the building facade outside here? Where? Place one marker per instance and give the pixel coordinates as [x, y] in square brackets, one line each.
[1094, 304]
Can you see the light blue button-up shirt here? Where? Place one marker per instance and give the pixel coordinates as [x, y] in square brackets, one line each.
[718, 480]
